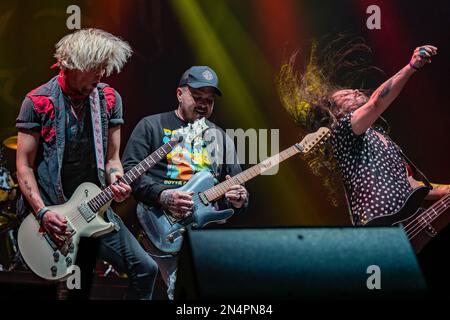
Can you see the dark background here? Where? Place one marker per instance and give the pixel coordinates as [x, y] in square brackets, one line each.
[245, 42]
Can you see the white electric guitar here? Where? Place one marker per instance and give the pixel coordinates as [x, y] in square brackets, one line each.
[84, 213]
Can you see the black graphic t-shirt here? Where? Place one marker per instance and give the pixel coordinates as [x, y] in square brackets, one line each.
[374, 175]
[185, 160]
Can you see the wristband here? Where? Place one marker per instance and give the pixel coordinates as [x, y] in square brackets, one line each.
[40, 213]
[412, 66]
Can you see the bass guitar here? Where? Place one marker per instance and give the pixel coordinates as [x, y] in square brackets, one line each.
[420, 225]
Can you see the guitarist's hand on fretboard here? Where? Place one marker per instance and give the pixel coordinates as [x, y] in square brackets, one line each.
[120, 189]
[236, 194]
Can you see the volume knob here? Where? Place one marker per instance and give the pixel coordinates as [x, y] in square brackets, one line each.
[53, 269]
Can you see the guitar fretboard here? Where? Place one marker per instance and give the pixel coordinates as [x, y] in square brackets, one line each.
[219, 190]
[425, 218]
[107, 195]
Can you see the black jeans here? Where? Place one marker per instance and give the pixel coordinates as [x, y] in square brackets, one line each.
[123, 251]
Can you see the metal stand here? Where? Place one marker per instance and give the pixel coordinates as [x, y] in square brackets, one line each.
[17, 260]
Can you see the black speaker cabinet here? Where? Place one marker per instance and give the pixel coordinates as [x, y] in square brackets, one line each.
[298, 263]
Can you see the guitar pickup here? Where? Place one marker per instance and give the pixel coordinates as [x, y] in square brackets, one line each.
[203, 198]
[86, 212]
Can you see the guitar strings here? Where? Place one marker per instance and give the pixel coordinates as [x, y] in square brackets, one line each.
[435, 206]
[78, 217]
[417, 225]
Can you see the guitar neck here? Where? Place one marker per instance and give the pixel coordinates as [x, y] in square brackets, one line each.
[431, 214]
[219, 190]
[107, 195]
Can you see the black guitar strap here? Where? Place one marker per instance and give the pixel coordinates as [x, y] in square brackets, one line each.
[384, 126]
[416, 170]
[353, 218]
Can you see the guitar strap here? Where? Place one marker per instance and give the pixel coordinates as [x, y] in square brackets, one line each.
[94, 101]
[416, 170]
[353, 218]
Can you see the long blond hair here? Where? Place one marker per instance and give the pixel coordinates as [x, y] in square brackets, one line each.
[88, 49]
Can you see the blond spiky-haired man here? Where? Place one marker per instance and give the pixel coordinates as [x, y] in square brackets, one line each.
[69, 133]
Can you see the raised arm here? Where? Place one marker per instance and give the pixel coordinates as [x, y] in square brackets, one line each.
[381, 99]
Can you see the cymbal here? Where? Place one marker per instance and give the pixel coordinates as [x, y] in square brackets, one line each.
[11, 142]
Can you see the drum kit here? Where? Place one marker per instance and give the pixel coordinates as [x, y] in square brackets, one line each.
[9, 223]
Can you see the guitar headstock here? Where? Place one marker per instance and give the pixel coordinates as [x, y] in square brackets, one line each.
[314, 139]
[191, 131]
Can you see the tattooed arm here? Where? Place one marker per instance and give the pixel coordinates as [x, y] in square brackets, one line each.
[113, 166]
[27, 146]
[179, 203]
[364, 117]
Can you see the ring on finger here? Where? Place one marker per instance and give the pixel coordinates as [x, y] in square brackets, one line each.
[422, 52]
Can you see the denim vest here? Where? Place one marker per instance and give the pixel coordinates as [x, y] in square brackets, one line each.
[49, 104]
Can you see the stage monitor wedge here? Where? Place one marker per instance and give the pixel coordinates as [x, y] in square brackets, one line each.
[298, 263]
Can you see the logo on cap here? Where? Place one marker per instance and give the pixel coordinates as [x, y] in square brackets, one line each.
[207, 75]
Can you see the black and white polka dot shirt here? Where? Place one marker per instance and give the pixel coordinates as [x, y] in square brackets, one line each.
[374, 175]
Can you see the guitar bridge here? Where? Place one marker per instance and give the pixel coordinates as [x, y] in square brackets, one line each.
[50, 241]
[67, 246]
[171, 218]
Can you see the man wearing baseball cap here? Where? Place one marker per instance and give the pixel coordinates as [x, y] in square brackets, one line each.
[196, 93]
[199, 77]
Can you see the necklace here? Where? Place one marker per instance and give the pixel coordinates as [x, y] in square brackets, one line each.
[77, 108]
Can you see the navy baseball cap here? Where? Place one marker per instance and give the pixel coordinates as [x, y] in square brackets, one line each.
[200, 76]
